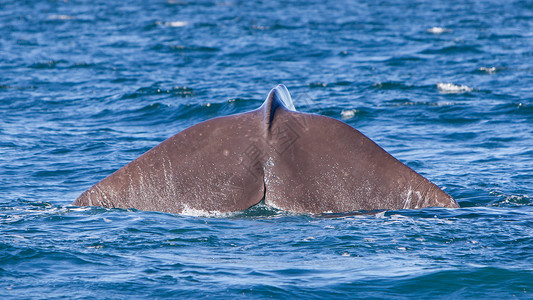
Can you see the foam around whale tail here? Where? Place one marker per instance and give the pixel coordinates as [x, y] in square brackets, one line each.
[296, 161]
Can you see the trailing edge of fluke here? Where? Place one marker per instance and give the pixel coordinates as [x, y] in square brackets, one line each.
[299, 162]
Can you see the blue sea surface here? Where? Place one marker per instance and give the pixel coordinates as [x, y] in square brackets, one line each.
[444, 86]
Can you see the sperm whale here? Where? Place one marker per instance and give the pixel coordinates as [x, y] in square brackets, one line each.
[294, 161]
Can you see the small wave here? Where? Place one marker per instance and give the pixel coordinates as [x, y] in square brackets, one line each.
[438, 30]
[176, 24]
[181, 91]
[24, 42]
[47, 65]
[61, 17]
[450, 88]
[489, 70]
[348, 114]
[317, 84]
[402, 60]
[181, 48]
[177, 2]
[259, 27]
[391, 85]
[456, 49]
[82, 65]
[344, 53]
[172, 23]
[514, 200]
[408, 102]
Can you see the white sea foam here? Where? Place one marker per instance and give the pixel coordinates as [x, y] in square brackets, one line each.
[176, 24]
[188, 211]
[348, 114]
[450, 88]
[490, 70]
[380, 215]
[438, 30]
[193, 212]
[79, 208]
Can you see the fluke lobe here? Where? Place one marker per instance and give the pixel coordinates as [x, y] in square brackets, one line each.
[299, 162]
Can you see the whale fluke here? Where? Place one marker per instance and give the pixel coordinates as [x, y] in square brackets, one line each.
[298, 162]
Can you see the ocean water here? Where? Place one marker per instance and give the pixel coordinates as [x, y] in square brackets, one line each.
[444, 86]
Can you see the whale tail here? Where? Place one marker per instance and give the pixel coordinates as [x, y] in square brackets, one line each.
[295, 161]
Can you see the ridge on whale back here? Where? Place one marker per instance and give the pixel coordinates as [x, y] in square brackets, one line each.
[298, 162]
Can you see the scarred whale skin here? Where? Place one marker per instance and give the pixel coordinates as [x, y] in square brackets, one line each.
[299, 162]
